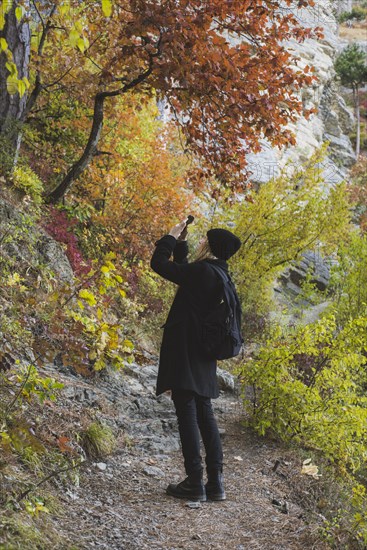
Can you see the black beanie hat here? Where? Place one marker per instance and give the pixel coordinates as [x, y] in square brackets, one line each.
[223, 243]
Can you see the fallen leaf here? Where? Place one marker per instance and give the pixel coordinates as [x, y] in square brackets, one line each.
[63, 444]
[310, 469]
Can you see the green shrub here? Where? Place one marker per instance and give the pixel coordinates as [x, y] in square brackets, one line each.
[349, 279]
[358, 13]
[307, 387]
[28, 182]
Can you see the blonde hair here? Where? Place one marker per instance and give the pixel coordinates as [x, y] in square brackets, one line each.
[204, 253]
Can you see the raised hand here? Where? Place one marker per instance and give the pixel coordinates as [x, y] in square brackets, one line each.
[178, 230]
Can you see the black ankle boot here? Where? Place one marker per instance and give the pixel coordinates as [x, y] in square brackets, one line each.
[214, 488]
[190, 489]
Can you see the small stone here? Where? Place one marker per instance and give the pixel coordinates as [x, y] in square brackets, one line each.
[153, 471]
[281, 506]
[71, 495]
[101, 466]
[191, 504]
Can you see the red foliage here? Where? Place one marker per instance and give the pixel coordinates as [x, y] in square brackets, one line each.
[60, 227]
[224, 69]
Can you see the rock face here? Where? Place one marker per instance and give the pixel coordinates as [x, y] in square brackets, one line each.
[54, 256]
[26, 241]
[311, 264]
[333, 119]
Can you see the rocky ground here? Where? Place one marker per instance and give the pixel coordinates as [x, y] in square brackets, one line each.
[120, 502]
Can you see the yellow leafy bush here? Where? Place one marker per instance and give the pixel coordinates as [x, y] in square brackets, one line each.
[27, 181]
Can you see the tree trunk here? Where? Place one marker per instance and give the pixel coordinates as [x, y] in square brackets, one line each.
[17, 35]
[358, 119]
[88, 153]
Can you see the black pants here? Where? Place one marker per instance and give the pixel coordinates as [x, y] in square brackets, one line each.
[195, 416]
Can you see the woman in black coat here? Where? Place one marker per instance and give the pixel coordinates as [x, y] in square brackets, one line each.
[183, 367]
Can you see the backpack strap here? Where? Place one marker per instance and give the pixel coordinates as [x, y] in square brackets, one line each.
[232, 297]
[225, 277]
[221, 272]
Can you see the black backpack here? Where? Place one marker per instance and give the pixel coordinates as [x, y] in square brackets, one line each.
[221, 329]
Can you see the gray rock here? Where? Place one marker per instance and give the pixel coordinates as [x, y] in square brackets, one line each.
[134, 387]
[226, 381]
[194, 505]
[264, 165]
[54, 256]
[159, 444]
[346, 117]
[132, 369]
[35, 246]
[149, 372]
[101, 466]
[310, 264]
[8, 212]
[341, 150]
[153, 471]
[80, 394]
[313, 313]
[293, 289]
[333, 120]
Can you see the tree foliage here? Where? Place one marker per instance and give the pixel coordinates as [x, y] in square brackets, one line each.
[137, 190]
[289, 215]
[222, 67]
[351, 66]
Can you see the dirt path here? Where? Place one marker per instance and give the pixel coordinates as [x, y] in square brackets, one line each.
[121, 503]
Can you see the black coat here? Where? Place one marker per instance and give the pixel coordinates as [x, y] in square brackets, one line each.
[182, 364]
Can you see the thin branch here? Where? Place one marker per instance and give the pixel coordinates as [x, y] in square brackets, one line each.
[93, 62]
[54, 473]
[17, 395]
[77, 288]
[39, 15]
[51, 84]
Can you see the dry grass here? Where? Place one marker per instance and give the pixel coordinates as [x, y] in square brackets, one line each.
[357, 32]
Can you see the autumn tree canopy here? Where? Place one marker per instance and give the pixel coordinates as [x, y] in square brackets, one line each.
[221, 66]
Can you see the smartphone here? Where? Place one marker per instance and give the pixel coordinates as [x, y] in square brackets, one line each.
[189, 220]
